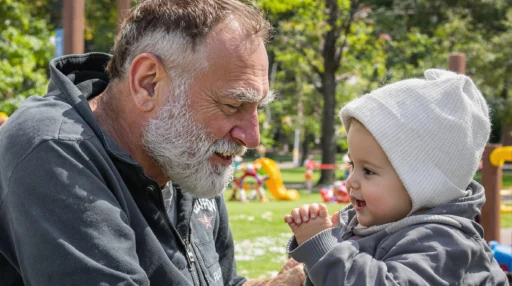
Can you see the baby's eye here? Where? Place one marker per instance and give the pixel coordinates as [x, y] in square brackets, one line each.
[368, 172]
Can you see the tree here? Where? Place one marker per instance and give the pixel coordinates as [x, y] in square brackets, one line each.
[424, 32]
[25, 51]
[332, 44]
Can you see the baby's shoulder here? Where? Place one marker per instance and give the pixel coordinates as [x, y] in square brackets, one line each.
[441, 235]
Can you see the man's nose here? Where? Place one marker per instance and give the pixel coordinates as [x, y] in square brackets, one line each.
[247, 131]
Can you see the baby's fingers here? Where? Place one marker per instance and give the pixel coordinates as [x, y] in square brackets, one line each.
[314, 210]
[336, 218]
[295, 214]
[323, 211]
[304, 213]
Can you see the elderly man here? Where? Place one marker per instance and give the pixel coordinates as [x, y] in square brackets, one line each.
[86, 194]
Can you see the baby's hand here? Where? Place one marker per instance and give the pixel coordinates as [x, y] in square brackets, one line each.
[308, 220]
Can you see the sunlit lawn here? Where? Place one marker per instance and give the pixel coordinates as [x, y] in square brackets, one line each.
[261, 235]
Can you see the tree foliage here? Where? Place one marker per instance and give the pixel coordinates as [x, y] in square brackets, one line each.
[332, 46]
[25, 50]
[349, 47]
[323, 53]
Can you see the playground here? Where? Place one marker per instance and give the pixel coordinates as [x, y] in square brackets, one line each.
[261, 235]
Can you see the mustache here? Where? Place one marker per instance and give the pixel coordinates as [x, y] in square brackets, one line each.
[226, 146]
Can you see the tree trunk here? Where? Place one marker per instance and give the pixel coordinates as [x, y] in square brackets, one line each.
[328, 139]
[308, 137]
[329, 93]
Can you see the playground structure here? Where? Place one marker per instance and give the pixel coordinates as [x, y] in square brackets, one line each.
[3, 117]
[494, 158]
[502, 254]
[311, 165]
[335, 194]
[241, 187]
[500, 155]
[272, 179]
[498, 158]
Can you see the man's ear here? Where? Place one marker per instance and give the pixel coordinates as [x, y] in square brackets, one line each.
[146, 72]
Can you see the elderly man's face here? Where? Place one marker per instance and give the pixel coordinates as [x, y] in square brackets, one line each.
[203, 126]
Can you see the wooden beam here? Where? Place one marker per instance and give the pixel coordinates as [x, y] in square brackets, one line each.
[491, 181]
[457, 63]
[73, 24]
[123, 8]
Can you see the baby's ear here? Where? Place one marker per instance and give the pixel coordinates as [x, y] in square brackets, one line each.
[336, 218]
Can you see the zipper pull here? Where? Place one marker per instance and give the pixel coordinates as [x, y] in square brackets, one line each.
[347, 234]
[190, 254]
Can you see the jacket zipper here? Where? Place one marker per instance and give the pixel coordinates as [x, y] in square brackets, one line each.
[188, 247]
[347, 234]
[191, 258]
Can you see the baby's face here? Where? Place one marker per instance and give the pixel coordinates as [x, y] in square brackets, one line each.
[375, 189]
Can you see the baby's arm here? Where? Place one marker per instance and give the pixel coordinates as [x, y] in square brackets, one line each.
[426, 254]
[308, 220]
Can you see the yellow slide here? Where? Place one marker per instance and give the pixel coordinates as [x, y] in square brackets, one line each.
[274, 182]
[501, 155]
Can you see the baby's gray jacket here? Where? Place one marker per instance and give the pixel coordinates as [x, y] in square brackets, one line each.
[443, 246]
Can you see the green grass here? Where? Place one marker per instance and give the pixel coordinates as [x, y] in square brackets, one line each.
[261, 235]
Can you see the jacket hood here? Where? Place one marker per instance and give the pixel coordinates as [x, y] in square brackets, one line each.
[79, 75]
[459, 213]
[79, 78]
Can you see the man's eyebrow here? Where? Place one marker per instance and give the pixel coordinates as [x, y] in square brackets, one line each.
[271, 95]
[250, 95]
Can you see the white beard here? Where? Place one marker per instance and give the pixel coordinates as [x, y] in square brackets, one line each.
[183, 149]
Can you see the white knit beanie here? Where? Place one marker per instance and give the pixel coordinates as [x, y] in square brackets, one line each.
[432, 130]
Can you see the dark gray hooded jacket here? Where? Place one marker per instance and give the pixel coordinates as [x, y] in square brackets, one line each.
[443, 246]
[75, 209]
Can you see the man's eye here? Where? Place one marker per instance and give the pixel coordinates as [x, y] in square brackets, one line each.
[230, 106]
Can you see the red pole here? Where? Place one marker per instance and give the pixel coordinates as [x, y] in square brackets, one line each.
[491, 181]
[73, 24]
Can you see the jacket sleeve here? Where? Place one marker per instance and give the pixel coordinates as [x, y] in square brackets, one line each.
[428, 255]
[225, 247]
[63, 224]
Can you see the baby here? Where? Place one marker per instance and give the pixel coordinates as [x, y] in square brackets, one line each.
[414, 147]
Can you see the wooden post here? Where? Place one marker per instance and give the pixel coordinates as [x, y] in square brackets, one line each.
[457, 63]
[506, 136]
[491, 181]
[73, 24]
[123, 8]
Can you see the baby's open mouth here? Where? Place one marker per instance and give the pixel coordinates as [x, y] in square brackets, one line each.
[360, 203]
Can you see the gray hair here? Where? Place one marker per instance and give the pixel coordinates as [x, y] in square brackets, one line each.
[175, 32]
